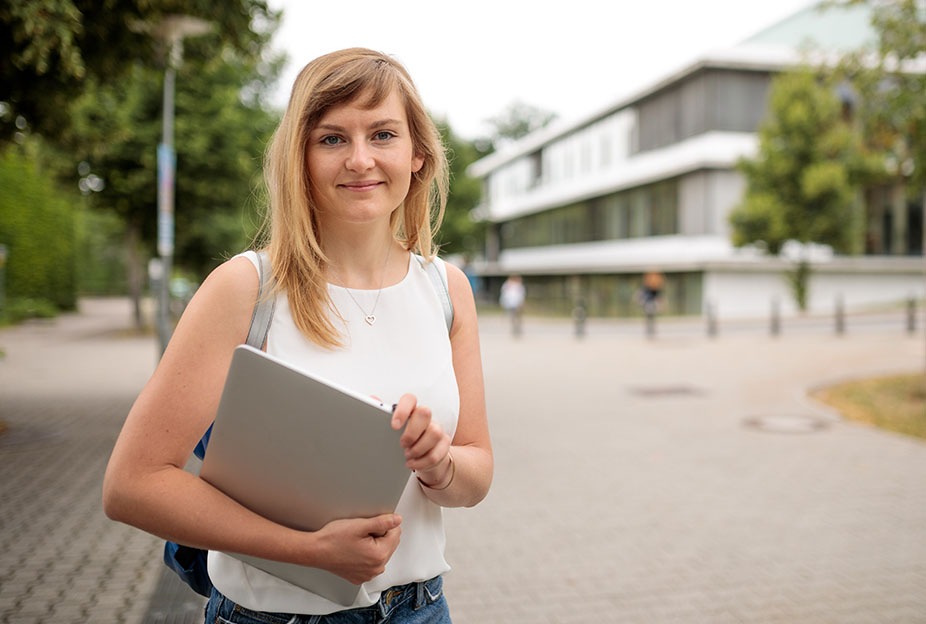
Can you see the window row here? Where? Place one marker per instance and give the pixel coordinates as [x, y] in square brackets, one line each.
[650, 210]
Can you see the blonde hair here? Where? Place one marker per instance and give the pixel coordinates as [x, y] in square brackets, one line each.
[294, 244]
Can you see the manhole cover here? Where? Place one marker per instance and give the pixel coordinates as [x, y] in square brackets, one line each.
[665, 391]
[786, 423]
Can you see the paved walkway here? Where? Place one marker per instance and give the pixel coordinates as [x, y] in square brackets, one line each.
[680, 479]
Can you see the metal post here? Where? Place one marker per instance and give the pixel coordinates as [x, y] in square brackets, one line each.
[840, 316]
[172, 30]
[166, 168]
[911, 315]
[776, 318]
[579, 315]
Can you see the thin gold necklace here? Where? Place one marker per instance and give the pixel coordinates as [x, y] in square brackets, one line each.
[370, 317]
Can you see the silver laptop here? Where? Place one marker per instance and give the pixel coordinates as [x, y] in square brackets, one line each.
[302, 451]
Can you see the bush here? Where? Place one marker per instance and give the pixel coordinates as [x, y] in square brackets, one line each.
[37, 227]
[21, 309]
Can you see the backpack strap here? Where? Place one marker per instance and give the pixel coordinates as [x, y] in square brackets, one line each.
[264, 308]
[439, 281]
[257, 333]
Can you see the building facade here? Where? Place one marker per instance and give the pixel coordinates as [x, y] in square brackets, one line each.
[582, 210]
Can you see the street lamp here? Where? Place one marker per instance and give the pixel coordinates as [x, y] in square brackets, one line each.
[172, 30]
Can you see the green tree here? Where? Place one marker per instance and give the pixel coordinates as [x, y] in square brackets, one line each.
[220, 131]
[460, 233]
[50, 50]
[803, 183]
[518, 120]
[888, 84]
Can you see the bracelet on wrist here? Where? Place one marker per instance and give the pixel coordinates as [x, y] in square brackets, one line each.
[453, 472]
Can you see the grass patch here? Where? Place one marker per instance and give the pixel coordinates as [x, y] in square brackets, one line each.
[896, 403]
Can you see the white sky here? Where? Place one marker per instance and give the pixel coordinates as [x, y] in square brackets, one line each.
[472, 58]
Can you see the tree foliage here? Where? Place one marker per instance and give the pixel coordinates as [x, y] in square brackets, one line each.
[50, 50]
[803, 182]
[221, 126]
[888, 80]
[460, 233]
[518, 120]
[38, 229]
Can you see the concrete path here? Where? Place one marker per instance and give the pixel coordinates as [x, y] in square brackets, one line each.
[680, 479]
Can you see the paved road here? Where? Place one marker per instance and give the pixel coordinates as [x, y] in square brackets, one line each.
[680, 479]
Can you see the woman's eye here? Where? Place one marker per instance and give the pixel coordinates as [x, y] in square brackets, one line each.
[383, 135]
[331, 140]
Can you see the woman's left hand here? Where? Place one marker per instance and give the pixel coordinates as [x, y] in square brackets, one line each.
[426, 444]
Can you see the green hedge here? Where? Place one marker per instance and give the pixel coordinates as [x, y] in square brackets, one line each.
[37, 226]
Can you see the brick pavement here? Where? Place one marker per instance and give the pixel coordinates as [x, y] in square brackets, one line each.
[630, 484]
[66, 387]
[630, 487]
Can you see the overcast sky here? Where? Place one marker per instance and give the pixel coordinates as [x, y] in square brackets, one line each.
[472, 58]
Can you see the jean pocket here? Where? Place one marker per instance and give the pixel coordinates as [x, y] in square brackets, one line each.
[240, 615]
[434, 589]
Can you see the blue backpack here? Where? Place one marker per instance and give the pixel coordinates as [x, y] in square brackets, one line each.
[190, 563]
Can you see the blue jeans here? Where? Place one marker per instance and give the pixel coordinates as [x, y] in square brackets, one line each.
[415, 603]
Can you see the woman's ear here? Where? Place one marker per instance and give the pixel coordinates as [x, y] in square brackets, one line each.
[417, 163]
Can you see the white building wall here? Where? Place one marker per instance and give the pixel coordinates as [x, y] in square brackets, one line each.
[693, 209]
[568, 165]
[512, 180]
[725, 191]
[743, 291]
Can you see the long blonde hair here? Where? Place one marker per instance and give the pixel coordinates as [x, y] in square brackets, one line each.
[292, 229]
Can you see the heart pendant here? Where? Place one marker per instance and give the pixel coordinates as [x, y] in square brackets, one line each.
[370, 319]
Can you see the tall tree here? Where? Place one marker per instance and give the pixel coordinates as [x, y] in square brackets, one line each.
[518, 120]
[51, 49]
[221, 124]
[460, 233]
[802, 185]
[888, 80]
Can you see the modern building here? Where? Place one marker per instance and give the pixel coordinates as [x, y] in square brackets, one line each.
[583, 209]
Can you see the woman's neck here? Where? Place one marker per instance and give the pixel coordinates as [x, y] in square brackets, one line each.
[365, 263]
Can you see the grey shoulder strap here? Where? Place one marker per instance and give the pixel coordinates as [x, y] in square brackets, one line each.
[439, 281]
[263, 308]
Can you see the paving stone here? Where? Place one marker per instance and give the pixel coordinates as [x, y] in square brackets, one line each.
[610, 504]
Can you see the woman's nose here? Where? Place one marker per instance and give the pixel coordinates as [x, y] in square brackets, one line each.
[360, 157]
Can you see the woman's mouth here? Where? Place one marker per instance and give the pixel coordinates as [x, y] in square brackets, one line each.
[365, 185]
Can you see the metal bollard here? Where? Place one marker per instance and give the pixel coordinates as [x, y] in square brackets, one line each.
[775, 326]
[911, 315]
[840, 316]
[579, 316]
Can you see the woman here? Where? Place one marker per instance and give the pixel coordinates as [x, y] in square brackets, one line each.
[357, 176]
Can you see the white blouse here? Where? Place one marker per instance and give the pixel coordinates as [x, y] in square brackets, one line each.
[406, 350]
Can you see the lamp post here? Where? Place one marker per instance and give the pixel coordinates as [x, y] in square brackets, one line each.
[172, 30]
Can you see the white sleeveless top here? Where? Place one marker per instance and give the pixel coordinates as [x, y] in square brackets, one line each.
[406, 350]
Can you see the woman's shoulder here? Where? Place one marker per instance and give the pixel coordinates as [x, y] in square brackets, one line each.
[237, 271]
[232, 284]
[456, 278]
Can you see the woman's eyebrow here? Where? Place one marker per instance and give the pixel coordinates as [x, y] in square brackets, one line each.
[376, 124]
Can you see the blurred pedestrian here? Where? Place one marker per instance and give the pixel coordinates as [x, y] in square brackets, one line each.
[511, 299]
[651, 299]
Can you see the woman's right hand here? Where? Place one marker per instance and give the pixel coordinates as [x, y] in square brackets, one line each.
[358, 549]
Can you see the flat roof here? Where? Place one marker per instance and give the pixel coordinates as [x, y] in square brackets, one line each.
[783, 44]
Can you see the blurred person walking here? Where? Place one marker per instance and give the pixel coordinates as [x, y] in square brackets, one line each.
[511, 299]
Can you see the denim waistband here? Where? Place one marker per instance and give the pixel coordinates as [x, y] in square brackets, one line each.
[411, 596]
[422, 593]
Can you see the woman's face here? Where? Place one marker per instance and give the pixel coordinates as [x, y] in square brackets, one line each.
[360, 160]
